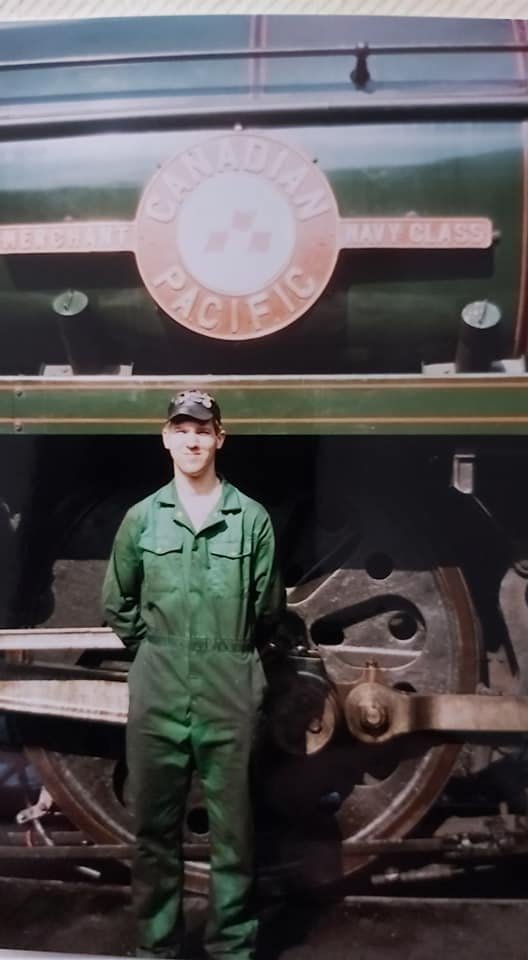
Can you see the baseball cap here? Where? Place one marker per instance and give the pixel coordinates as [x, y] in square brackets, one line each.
[195, 404]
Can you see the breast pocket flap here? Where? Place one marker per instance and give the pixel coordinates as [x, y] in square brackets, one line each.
[160, 545]
[230, 549]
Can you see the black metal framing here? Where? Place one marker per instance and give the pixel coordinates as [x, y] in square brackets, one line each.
[97, 116]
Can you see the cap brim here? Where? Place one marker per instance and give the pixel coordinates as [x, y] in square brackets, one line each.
[193, 411]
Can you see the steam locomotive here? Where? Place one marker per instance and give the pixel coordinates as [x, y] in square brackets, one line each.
[323, 221]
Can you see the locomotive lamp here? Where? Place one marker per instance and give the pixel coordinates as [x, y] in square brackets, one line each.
[478, 343]
[75, 328]
[87, 347]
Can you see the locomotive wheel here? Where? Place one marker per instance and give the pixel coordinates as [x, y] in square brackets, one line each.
[378, 593]
[90, 789]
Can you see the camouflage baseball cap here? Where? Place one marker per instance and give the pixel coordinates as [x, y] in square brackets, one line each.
[195, 404]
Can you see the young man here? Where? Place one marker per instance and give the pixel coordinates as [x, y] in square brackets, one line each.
[193, 586]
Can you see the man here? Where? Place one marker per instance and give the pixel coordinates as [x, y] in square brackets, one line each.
[193, 585]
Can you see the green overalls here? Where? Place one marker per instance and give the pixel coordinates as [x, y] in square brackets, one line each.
[193, 604]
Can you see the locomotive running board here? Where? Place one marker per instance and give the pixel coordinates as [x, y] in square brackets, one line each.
[407, 404]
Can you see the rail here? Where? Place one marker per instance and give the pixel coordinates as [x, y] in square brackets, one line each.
[70, 846]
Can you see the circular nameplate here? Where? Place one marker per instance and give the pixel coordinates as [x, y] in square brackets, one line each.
[237, 236]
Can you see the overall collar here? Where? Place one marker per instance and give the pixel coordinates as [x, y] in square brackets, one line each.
[229, 502]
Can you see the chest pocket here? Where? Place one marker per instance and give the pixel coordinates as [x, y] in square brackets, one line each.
[229, 561]
[162, 562]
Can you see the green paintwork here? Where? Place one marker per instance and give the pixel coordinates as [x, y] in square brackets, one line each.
[493, 404]
[383, 312]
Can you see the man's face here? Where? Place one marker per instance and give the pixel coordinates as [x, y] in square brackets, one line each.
[192, 445]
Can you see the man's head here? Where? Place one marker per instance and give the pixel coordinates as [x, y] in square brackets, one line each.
[193, 432]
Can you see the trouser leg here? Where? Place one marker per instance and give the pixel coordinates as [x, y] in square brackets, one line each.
[159, 762]
[222, 758]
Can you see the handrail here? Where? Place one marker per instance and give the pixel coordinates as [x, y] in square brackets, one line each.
[265, 53]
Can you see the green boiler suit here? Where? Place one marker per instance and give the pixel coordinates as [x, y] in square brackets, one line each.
[193, 606]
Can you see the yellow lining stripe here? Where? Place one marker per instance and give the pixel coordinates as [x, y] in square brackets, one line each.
[428, 384]
[256, 420]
